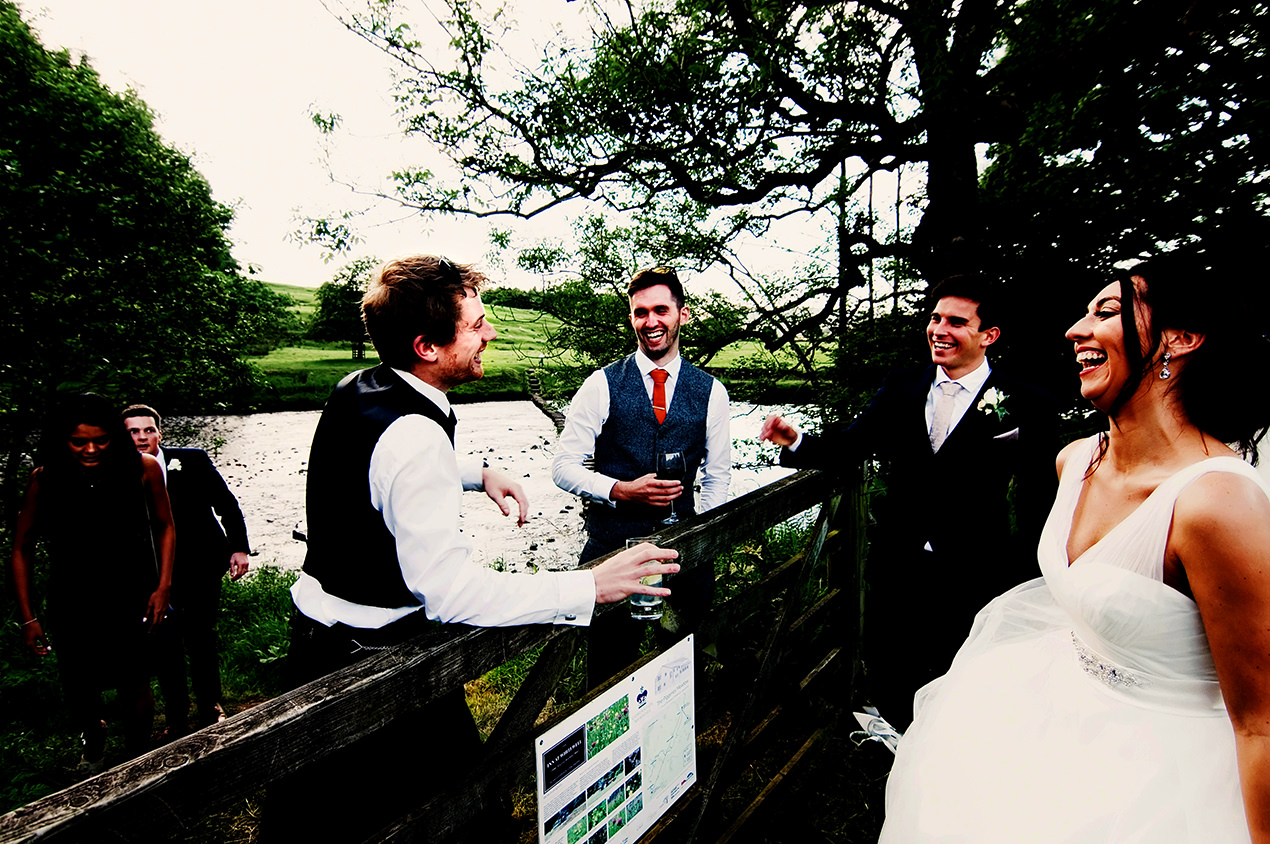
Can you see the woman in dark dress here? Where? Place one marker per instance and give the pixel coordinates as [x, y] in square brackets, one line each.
[93, 501]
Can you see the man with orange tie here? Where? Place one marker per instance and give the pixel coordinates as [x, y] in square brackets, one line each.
[648, 403]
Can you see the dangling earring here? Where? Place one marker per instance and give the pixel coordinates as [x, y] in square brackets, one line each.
[1164, 372]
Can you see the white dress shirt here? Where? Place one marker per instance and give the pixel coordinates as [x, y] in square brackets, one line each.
[588, 412]
[416, 482]
[970, 383]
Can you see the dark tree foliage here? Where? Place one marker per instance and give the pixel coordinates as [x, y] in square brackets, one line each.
[116, 266]
[869, 349]
[339, 312]
[1155, 131]
[1145, 127]
[727, 115]
[1114, 127]
[513, 297]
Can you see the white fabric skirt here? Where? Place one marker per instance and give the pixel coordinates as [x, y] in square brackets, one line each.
[1019, 742]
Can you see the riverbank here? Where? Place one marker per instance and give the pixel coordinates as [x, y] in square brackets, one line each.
[264, 459]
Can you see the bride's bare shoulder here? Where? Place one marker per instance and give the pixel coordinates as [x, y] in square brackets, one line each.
[1071, 451]
[1222, 514]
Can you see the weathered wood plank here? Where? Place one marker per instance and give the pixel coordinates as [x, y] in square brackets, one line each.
[767, 666]
[757, 803]
[152, 797]
[522, 713]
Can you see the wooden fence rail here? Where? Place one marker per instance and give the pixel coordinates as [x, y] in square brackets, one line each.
[161, 795]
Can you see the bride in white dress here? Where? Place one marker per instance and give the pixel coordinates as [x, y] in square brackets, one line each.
[1125, 695]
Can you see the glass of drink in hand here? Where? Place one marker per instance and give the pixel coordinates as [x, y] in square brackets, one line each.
[671, 467]
[646, 607]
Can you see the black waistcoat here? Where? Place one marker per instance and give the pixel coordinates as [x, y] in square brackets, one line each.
[351, 552]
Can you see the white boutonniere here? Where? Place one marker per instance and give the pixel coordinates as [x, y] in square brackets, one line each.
[174, 465]
[993, 401]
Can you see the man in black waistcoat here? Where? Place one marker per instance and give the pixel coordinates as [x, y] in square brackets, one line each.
[206, 550]
[386, 558]
[968, 465]
[623, 416]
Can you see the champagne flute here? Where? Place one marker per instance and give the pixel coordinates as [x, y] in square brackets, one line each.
[671, 467]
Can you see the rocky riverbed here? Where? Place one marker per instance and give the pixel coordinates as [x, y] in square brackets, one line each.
[264, 457]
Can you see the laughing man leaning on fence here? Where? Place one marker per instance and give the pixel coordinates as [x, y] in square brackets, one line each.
[386, 557]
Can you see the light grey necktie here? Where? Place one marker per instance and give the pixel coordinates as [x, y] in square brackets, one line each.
[943, 413]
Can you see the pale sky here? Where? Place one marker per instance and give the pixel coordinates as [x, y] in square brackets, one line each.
[233, 84]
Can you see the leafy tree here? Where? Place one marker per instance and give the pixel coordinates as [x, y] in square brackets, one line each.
[117, 269]
[1154, 135]
[339, 311]
[513, 297]
[1115, 126]
[1157, 138]
[732, 115]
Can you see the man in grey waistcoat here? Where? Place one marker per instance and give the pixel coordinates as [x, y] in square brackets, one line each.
[623, 416]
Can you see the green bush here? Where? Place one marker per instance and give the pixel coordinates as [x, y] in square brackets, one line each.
[253, 631]
[36, 747]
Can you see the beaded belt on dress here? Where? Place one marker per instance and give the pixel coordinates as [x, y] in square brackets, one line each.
[1113, 675]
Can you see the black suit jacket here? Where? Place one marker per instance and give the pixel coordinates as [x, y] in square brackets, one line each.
[199, 494]
[959, 499]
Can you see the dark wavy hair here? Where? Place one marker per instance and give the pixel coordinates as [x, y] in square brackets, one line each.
[1213, 387]
[86, 409]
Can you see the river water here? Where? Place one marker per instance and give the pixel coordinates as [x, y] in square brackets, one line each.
[264, 456]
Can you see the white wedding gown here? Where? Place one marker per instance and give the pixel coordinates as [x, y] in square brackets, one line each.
[1084, 706]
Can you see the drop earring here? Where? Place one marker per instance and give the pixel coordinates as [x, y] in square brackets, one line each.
[1164, 371]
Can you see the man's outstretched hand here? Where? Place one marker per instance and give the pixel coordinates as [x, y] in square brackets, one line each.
[499, 488]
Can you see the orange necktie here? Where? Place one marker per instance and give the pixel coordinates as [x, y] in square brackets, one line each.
[659, 377]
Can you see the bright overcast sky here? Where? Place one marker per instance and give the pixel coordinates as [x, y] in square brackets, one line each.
[233, 84]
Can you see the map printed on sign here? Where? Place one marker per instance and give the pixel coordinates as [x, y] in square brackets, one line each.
[612, 769]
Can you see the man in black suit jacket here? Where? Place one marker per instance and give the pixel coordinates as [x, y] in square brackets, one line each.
[963, 506]
[203, 554]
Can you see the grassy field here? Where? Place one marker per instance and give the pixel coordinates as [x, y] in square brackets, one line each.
[305, 297]
[301, 377]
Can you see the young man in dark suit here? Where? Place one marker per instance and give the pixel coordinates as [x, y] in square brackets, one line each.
[968, 456]
[206, 549]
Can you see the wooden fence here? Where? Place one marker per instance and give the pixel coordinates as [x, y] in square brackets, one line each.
[806, 617]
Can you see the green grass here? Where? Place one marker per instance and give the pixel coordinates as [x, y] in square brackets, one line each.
[305, 297]
[301, 377]
[253, 630]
